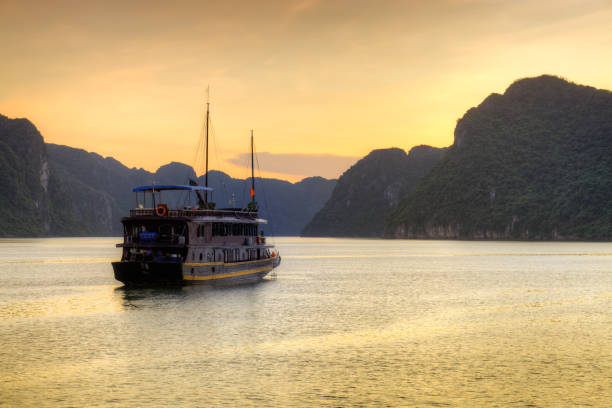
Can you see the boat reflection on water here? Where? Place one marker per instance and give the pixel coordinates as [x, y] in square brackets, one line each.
[136, 297]
[130, 297]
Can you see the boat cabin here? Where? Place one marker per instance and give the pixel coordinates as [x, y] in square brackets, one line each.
[186, 227]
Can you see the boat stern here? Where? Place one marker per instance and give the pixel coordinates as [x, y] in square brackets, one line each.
[148, 273]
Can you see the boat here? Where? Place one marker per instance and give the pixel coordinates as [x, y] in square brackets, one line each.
[193, 244]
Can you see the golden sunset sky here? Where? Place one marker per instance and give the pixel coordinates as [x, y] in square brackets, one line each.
[322, 83]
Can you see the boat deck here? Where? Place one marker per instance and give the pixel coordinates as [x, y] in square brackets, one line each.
[195, 212]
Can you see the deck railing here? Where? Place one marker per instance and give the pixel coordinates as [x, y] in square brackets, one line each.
[144, 212]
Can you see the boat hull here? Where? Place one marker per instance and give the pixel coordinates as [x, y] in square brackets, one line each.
[212, 273]
[148, 273]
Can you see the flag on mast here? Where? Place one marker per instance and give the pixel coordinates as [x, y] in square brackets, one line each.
[252, 192]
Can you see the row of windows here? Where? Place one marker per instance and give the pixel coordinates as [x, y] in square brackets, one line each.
[227, 229]
[230, 255]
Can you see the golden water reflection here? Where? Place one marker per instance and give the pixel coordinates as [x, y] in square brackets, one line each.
[81, 301]
[503, 330]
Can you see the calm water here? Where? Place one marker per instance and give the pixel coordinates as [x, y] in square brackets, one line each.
[346, 323]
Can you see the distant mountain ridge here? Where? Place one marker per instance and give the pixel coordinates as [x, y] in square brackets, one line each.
[368, 191]
[53, 190]
[533, 163]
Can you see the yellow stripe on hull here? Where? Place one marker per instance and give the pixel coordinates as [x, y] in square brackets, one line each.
[228, 275]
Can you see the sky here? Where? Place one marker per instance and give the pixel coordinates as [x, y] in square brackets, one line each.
[321, 83]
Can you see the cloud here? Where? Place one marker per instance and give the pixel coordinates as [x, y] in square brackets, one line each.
[325, 165]
[303, 5]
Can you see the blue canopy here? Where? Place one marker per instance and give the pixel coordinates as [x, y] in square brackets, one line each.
[171, 187]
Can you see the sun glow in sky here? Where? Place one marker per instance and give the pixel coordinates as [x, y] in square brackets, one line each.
[322, 83]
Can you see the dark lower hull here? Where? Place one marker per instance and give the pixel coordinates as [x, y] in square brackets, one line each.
[148, 273]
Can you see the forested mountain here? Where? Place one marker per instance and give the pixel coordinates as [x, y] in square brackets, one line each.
[367, 192]
[96, 191]
[533, 163]
[25, 181]
[53, 190]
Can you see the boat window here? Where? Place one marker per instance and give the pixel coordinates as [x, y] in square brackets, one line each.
[218, 229]
[200, 256]
[232, 229]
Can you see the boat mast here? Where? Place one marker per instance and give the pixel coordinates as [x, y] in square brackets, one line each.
[252, 171]
[207, 116]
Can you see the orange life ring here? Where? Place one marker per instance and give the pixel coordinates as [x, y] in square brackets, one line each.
[161, 210]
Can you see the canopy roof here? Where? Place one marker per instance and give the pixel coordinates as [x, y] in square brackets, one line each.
[171, 187]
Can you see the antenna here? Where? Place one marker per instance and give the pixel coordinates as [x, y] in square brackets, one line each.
[207, 116]
[252, 170]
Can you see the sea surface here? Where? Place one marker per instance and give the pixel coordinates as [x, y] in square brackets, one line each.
[345, 323]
